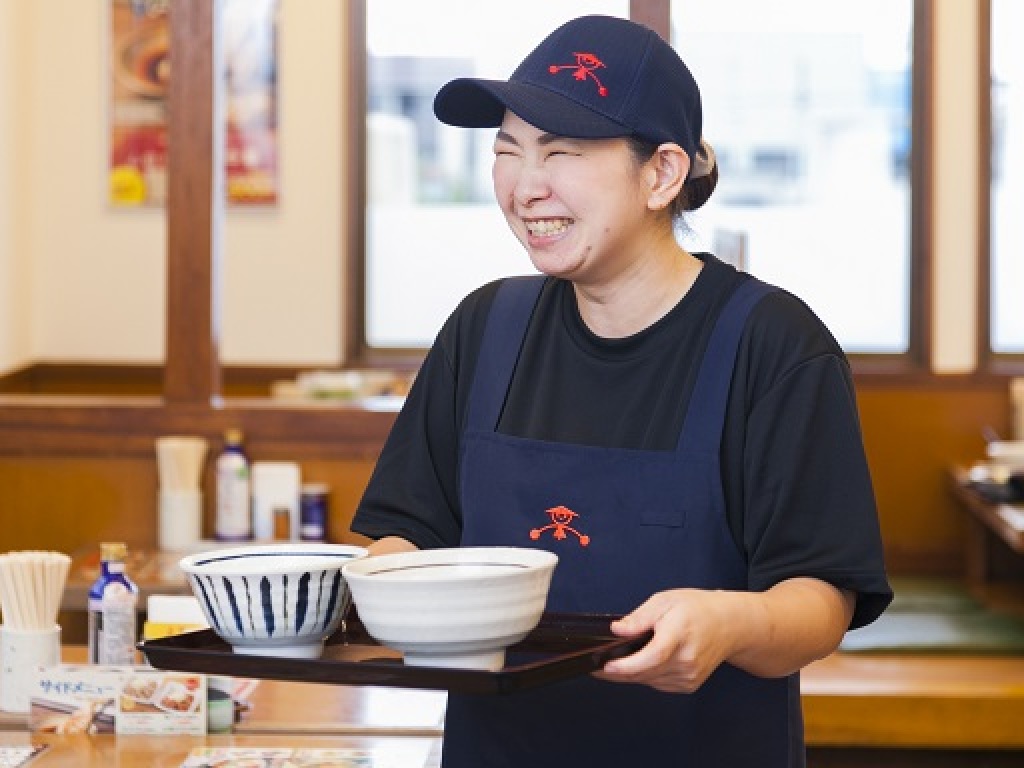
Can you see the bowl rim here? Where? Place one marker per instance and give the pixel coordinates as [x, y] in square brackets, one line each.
[314, 554]
[531, 559]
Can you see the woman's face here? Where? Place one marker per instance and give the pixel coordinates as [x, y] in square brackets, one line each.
[579, 206]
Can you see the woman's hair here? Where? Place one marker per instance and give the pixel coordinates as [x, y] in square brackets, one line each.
[694, 193]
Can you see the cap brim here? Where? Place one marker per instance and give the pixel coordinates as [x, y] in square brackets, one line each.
[475, 103]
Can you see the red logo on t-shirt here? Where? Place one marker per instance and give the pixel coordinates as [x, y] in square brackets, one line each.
[560, 519]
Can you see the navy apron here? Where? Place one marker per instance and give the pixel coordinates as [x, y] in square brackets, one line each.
[625, 523]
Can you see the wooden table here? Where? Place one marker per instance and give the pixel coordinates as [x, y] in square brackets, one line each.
[860, 709]
[104, 751]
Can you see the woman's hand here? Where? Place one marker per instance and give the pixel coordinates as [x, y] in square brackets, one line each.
[768, 634]
[690, 641]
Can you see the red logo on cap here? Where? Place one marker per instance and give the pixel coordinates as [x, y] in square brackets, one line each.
[584, 67]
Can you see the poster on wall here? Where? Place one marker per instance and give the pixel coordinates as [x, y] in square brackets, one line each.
[140, 73]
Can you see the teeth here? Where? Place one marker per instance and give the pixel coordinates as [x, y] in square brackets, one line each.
[547, 227]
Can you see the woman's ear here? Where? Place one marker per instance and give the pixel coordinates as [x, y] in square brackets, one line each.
[668, 167]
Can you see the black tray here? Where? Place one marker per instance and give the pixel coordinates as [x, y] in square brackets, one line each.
[562, 646]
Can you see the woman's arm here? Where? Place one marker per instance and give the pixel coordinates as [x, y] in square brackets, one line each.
[768, 634]
[389, 545]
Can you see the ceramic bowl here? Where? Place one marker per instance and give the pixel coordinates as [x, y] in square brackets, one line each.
[459, 607]
[273, 599]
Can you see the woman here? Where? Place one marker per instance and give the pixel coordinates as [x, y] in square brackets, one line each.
[690, 432]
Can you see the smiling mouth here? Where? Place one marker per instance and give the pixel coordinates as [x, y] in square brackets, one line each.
[547, 227]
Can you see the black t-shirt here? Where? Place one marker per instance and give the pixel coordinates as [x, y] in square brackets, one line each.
[798, 492]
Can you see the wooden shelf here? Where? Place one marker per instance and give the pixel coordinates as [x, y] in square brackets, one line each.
[994, 541]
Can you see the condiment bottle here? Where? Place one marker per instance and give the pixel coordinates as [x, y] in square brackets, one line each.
[112, 609]
[234, 506]
[313, 512]
[282, 523]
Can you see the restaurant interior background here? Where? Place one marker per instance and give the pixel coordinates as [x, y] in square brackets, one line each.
[84, 308]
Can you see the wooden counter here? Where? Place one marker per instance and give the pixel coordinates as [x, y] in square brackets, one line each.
[915, 701]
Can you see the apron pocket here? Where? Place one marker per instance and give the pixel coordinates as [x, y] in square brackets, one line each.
[669, 506]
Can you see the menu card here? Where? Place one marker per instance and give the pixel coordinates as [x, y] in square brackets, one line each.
[99, 698]
[13, 757]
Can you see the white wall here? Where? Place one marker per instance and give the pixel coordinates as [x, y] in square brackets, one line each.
[97, 283]
[955, 167]
[14, 344]
[95, 289]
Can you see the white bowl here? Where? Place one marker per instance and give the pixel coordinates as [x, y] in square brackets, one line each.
[273, 599]
[457, 607]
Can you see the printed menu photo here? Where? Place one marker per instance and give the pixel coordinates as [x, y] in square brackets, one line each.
[98, 698]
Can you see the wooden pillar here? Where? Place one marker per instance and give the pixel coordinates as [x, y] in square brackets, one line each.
[656, 14]
[195, 203]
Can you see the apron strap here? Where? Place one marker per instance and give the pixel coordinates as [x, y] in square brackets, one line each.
[505, 332]
[702, 427]
[503, 338]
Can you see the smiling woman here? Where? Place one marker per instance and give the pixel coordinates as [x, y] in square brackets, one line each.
[661, 409]
[443, 192]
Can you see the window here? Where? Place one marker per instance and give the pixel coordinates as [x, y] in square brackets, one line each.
[811, 124]
[433, 232]
[1006, 234]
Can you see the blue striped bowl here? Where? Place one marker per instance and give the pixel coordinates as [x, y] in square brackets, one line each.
[273, 599]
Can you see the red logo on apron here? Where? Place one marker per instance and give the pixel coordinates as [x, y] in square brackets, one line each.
[560, 519]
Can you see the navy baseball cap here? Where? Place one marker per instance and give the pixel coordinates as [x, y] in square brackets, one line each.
[594, 77]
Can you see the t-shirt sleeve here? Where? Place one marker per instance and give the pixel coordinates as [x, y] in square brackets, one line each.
[413, 490]
[810, 505]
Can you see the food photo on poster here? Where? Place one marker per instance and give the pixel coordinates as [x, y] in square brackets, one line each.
[140, 72]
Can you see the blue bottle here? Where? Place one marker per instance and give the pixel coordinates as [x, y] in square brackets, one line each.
[112, 633]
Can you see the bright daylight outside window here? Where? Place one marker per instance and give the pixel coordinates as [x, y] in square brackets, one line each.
[433, 230]
[1007, 167]
[811, 124]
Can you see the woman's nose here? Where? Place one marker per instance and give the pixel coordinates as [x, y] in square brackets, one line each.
[531, 184]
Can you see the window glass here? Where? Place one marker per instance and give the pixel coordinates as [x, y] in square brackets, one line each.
[811, 122]
[1007, 168]
[433, 230]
